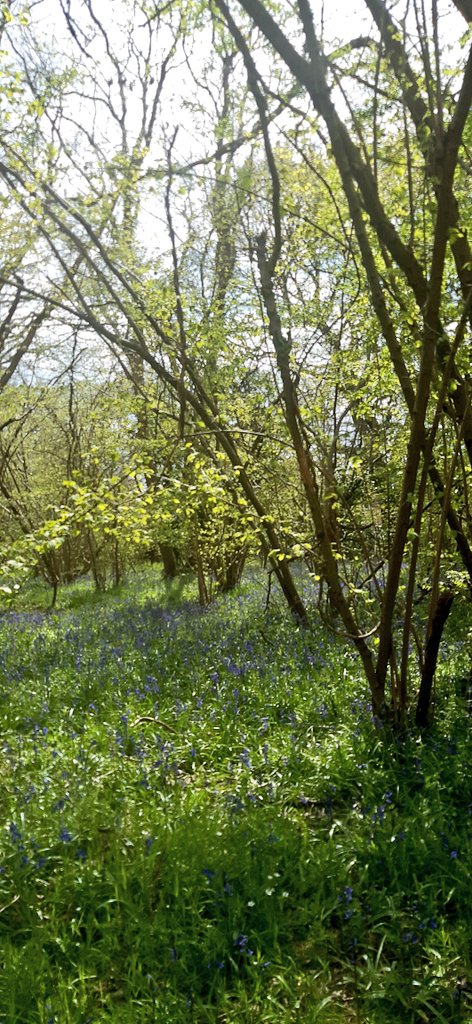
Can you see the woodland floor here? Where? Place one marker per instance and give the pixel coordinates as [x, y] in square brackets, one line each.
[202, 822]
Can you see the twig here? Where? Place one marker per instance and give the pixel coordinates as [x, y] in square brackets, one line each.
[269, 585]
[10, 904]
[157, 721]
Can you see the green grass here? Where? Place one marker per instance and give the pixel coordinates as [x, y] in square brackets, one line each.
[202, 822]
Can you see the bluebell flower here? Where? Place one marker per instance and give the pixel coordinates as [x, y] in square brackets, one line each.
[64, 835]
[15, 832]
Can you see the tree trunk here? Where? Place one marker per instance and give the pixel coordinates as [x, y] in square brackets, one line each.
[230, 575]
[202, 587]
[169, 561]
[441, 613]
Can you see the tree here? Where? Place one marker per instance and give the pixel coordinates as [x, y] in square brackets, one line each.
[417, 274]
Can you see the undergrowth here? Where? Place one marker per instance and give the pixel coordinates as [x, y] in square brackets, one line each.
[203, 822]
